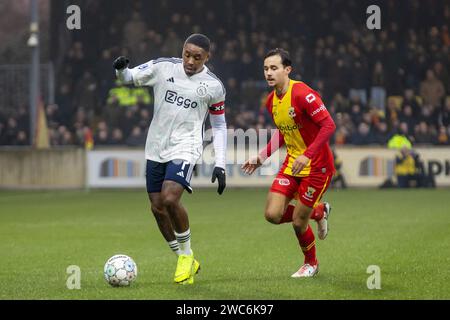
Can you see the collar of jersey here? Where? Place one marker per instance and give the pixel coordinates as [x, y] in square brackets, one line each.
[284, 94]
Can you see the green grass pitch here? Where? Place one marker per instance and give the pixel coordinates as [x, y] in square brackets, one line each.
[405, 233]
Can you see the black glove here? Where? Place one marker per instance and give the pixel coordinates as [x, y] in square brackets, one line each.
[219, 173]
[121, 62]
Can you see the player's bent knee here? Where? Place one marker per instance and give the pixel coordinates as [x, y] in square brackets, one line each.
[273, 216]
[170, 201]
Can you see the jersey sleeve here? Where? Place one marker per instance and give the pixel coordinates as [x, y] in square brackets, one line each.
[309, 101]
[217, 102]
[275, 143]
[145, 74]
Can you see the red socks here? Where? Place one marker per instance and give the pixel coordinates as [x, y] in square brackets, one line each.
[306, 240]
[317, 212]
[287, 216]
[308, 244]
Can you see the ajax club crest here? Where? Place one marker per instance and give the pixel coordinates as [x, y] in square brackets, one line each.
[202, 90]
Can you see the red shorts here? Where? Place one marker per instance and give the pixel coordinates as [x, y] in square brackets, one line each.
[309, 190]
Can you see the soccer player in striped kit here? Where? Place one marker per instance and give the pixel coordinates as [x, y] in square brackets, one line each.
[305, 127]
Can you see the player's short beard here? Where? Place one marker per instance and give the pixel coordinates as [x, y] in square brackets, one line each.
[194, 71]
[188, 72]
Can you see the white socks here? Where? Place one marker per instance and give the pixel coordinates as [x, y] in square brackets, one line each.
[184, 242]
[174, 246]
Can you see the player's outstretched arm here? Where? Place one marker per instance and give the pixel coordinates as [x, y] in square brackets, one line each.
[276, 141]
[252, 164]
[122, 71]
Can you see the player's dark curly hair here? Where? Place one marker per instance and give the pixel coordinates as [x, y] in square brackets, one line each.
[285, 57]
[200, 40]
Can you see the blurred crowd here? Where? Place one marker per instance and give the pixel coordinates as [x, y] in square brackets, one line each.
[374, 82]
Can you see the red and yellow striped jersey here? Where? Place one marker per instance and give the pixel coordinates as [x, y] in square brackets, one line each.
[297, 114]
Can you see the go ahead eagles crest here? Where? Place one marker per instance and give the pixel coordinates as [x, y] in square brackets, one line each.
[310, 192]
[292, 113]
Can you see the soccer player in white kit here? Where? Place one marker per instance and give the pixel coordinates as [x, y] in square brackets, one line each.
[186, 91]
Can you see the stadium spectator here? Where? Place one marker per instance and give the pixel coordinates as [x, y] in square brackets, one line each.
[358, 79]
[21, 139]
[136, 138]
[410, 170]
[378, 91]
[363, 135]
[171, 45]
[134, 31]
[443, 136]
[117, 137]
[102, 137]
[381, 133]
[11, 131]
[338, 180]
[444, 115]
[399, 141]
[406, 131]
[409, 99]
[406, 116]
[423, 134]
[405, 167]
[432, 90]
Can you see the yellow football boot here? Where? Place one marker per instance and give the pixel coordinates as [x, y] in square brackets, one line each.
[185, 268]
[196, 267]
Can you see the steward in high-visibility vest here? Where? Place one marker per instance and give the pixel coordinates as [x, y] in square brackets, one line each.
[128, 96]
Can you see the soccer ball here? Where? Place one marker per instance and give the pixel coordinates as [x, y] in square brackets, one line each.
[120, 270]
